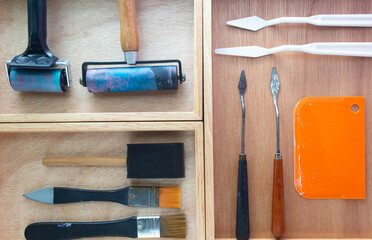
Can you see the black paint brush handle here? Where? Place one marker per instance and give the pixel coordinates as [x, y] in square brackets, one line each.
[65, 230]
[242, 210]
[71, 195]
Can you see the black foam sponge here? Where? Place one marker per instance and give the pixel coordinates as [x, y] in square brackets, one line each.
[155, 160]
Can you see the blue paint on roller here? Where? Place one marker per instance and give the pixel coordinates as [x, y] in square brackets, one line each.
[38, 80]
[130, 79]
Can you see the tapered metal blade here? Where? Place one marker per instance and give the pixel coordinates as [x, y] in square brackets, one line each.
[242, 83]
[274, 84]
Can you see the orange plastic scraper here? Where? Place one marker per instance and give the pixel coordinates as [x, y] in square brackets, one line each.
[329, 147]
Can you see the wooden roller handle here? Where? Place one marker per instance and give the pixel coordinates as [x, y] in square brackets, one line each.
[85, 161]
[128, 26]
[278, 217]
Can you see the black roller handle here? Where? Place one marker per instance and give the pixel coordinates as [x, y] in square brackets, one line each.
[37, 53]
[71, 195]
[69, 230]
[242, 210]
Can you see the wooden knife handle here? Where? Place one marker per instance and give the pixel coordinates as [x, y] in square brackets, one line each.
[278, 216]
[85, 161]
[128, 27]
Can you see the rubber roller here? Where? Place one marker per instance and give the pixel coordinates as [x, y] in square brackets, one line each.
[132, 79]
[137, 75]
[49, 80]
[37, 69]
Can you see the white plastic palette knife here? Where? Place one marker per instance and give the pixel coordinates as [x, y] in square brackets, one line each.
[356, 49]
[255, 23]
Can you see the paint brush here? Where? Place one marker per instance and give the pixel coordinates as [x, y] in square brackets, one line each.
[165, 197]
[171, 226]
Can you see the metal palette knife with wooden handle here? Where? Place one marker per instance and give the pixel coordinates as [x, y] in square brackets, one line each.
[137, 75]
[278, 217]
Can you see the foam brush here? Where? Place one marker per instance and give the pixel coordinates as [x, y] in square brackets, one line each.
[144, 160]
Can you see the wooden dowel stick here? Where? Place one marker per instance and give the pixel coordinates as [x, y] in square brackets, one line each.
[85, 161]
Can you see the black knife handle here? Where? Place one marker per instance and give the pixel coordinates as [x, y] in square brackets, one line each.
[71, 195]
[65, 230]
[242, 210]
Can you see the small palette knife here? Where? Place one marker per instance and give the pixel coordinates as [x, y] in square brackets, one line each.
[255, 23]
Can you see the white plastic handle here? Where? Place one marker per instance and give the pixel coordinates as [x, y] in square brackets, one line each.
[341, 20]
[347, 20]
[358, 49]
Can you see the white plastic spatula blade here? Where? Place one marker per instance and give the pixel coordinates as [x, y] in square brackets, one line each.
[250, 51]
[255, 23]
[356, 49]
[250, 23]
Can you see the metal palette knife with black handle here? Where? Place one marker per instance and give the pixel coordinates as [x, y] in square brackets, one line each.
[242, 209]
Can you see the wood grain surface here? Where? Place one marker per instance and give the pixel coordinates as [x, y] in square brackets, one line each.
[22, 171]
[300, 75]
[79, 31]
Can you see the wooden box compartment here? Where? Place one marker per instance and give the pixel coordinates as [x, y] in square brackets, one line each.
[22, 147]
[300, 75]
[89, 31]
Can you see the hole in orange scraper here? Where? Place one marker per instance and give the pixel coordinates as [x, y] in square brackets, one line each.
[330, 148]
[355, 108]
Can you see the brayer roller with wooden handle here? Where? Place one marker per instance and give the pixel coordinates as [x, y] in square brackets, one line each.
[37, 69]
[155, 160]
[132, 77]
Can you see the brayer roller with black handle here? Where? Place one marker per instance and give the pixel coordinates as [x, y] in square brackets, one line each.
[155, 160]
[137, 75]
[36, 69]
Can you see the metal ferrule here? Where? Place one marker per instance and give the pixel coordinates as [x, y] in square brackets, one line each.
[143, 196]
[7, 63]
[66, 65]
[148, 227]
[130, 57]
[278, 155]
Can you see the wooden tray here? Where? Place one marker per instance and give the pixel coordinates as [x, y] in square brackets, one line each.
[89, 31]
[300, 75]
[22, 146]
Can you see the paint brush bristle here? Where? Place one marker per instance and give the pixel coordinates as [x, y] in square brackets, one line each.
[173, 226]
[170, 197]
